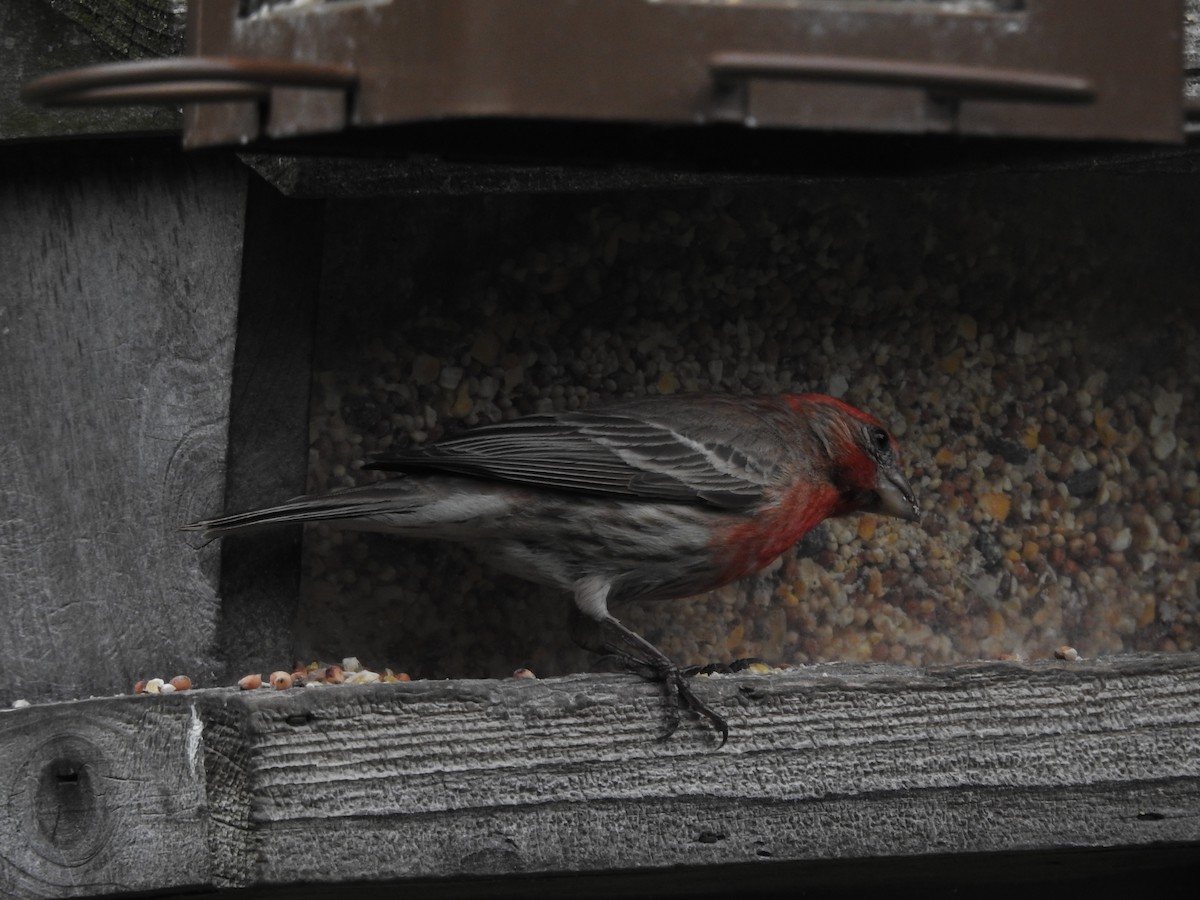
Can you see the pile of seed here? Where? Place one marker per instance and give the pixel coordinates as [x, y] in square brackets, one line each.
[1029, 341]
[318, 674]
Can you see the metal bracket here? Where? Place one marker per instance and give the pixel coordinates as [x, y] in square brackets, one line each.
[941, 79]
[1096, 69]
[186, 80]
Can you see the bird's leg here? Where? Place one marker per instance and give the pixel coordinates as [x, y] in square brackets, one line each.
[589, 634]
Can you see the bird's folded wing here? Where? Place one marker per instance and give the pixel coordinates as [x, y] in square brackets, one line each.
[606, 452]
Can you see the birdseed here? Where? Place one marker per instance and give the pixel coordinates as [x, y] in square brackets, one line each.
[1030, 342]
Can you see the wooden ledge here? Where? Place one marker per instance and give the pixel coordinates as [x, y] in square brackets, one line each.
[467, 779]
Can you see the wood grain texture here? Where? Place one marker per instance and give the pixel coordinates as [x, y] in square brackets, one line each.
[477, 778]
[118, 312]
[1191, 47]
[101, 797]
[464, 779]
[44, 36]
[131, 29]
[268, 425]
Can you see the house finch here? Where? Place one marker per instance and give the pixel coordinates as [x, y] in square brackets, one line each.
[647, 499]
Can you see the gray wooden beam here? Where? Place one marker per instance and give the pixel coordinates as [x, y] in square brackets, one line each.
[1191, 47]
[130, 29]
[452, 780]
[268, 439]
[118, 315]
[44, 36]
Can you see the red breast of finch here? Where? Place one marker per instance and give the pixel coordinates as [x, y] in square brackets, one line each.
[648, 499]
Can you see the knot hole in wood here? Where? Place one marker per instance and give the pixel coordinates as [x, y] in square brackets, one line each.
[69, 810]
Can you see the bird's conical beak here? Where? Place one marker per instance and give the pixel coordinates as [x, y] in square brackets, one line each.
[896, 497]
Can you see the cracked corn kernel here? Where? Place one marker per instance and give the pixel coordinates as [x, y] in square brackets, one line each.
[250, 682]
[996, 505]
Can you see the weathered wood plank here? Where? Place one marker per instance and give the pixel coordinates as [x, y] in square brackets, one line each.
[118, 308]
[268, 423]
[44, 36]
[565, 775]
[101, 797]
[1191, 47]
[132, 29]
[460, 779]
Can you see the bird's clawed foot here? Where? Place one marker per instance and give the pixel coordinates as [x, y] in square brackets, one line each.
[656, 666]
[633, 653]
[683, 697]
[679, 692]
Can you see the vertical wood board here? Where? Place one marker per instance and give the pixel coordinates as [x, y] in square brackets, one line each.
[118, 306]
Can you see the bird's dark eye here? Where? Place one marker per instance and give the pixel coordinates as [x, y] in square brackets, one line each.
[880, 441]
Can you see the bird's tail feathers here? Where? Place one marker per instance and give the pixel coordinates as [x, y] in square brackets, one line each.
[359, 503]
